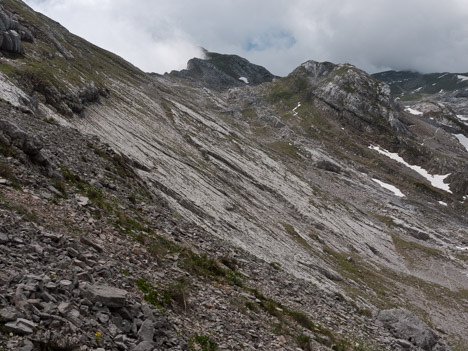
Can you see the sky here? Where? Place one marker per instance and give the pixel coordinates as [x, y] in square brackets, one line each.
[375, 35]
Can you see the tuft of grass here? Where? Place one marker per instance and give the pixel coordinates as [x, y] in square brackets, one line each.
[178, 293]
[275, 265]
[303, 341]
[204, 342]
[51, 120]
[287, 148]
[408, 249]
[7, 172]
[151, 295]
[295, 235]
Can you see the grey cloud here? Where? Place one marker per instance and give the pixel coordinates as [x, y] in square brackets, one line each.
[159, 35]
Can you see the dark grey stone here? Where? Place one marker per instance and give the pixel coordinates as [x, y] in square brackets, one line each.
[107, 295]
[405, 325]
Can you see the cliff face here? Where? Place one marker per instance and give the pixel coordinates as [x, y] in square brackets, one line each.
[194, 209]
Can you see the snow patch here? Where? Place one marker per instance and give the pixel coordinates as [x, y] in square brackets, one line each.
[390, 187]
[437, 181]
[416, 90]
[462, 78]
[295, 108]
[463, 140]
[245, 80]
[413, 111]
[443, 75]
[462, 117]
[443, 203]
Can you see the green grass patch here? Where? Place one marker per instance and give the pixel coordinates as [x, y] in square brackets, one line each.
[412, 250]
[295, 235]
[204, 343]
[287, 148]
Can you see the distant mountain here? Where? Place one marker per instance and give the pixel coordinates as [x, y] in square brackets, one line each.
[408, 85]
[220, 72]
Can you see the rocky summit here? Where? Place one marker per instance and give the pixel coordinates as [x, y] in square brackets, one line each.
[222, 207]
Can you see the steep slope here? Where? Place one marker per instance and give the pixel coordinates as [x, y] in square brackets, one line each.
[264, 198]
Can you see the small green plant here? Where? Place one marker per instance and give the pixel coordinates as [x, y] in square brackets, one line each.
[303, 341]
[150, 294]
[178, 293]
[60, 186]
[205, 343]
[275, 265]
[51, 120]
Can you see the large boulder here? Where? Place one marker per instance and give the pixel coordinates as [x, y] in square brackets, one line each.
[405, 325]
[107, 295]
[11, 34]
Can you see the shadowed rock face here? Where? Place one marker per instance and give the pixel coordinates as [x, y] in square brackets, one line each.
[222, 72]
[406, 326]
[11, 34]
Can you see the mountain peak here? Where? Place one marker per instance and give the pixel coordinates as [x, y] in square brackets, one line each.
[220, 72]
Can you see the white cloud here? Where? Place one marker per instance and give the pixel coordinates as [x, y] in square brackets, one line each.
[157, 35]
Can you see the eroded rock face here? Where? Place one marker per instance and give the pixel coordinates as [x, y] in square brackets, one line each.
[10, 39]
[404, 325]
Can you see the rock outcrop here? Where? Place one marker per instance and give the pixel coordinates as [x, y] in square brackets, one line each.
[411, 330]
[362, 100]
[11, 34]
[222, 72]
[30, 145]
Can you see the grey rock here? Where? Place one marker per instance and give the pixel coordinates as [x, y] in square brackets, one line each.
[85, 277]
[8, 314]
[63, 307]
[74, 317]
[3, 238]
[29, 144]
[27, 345]
[146, 332]
[21, 326]
[10, 40]
[66, 285]
[404, 325]
[107, 295]
[91, 243]
[144, 346]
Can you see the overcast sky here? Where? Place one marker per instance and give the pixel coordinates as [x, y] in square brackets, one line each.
[375, 35]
